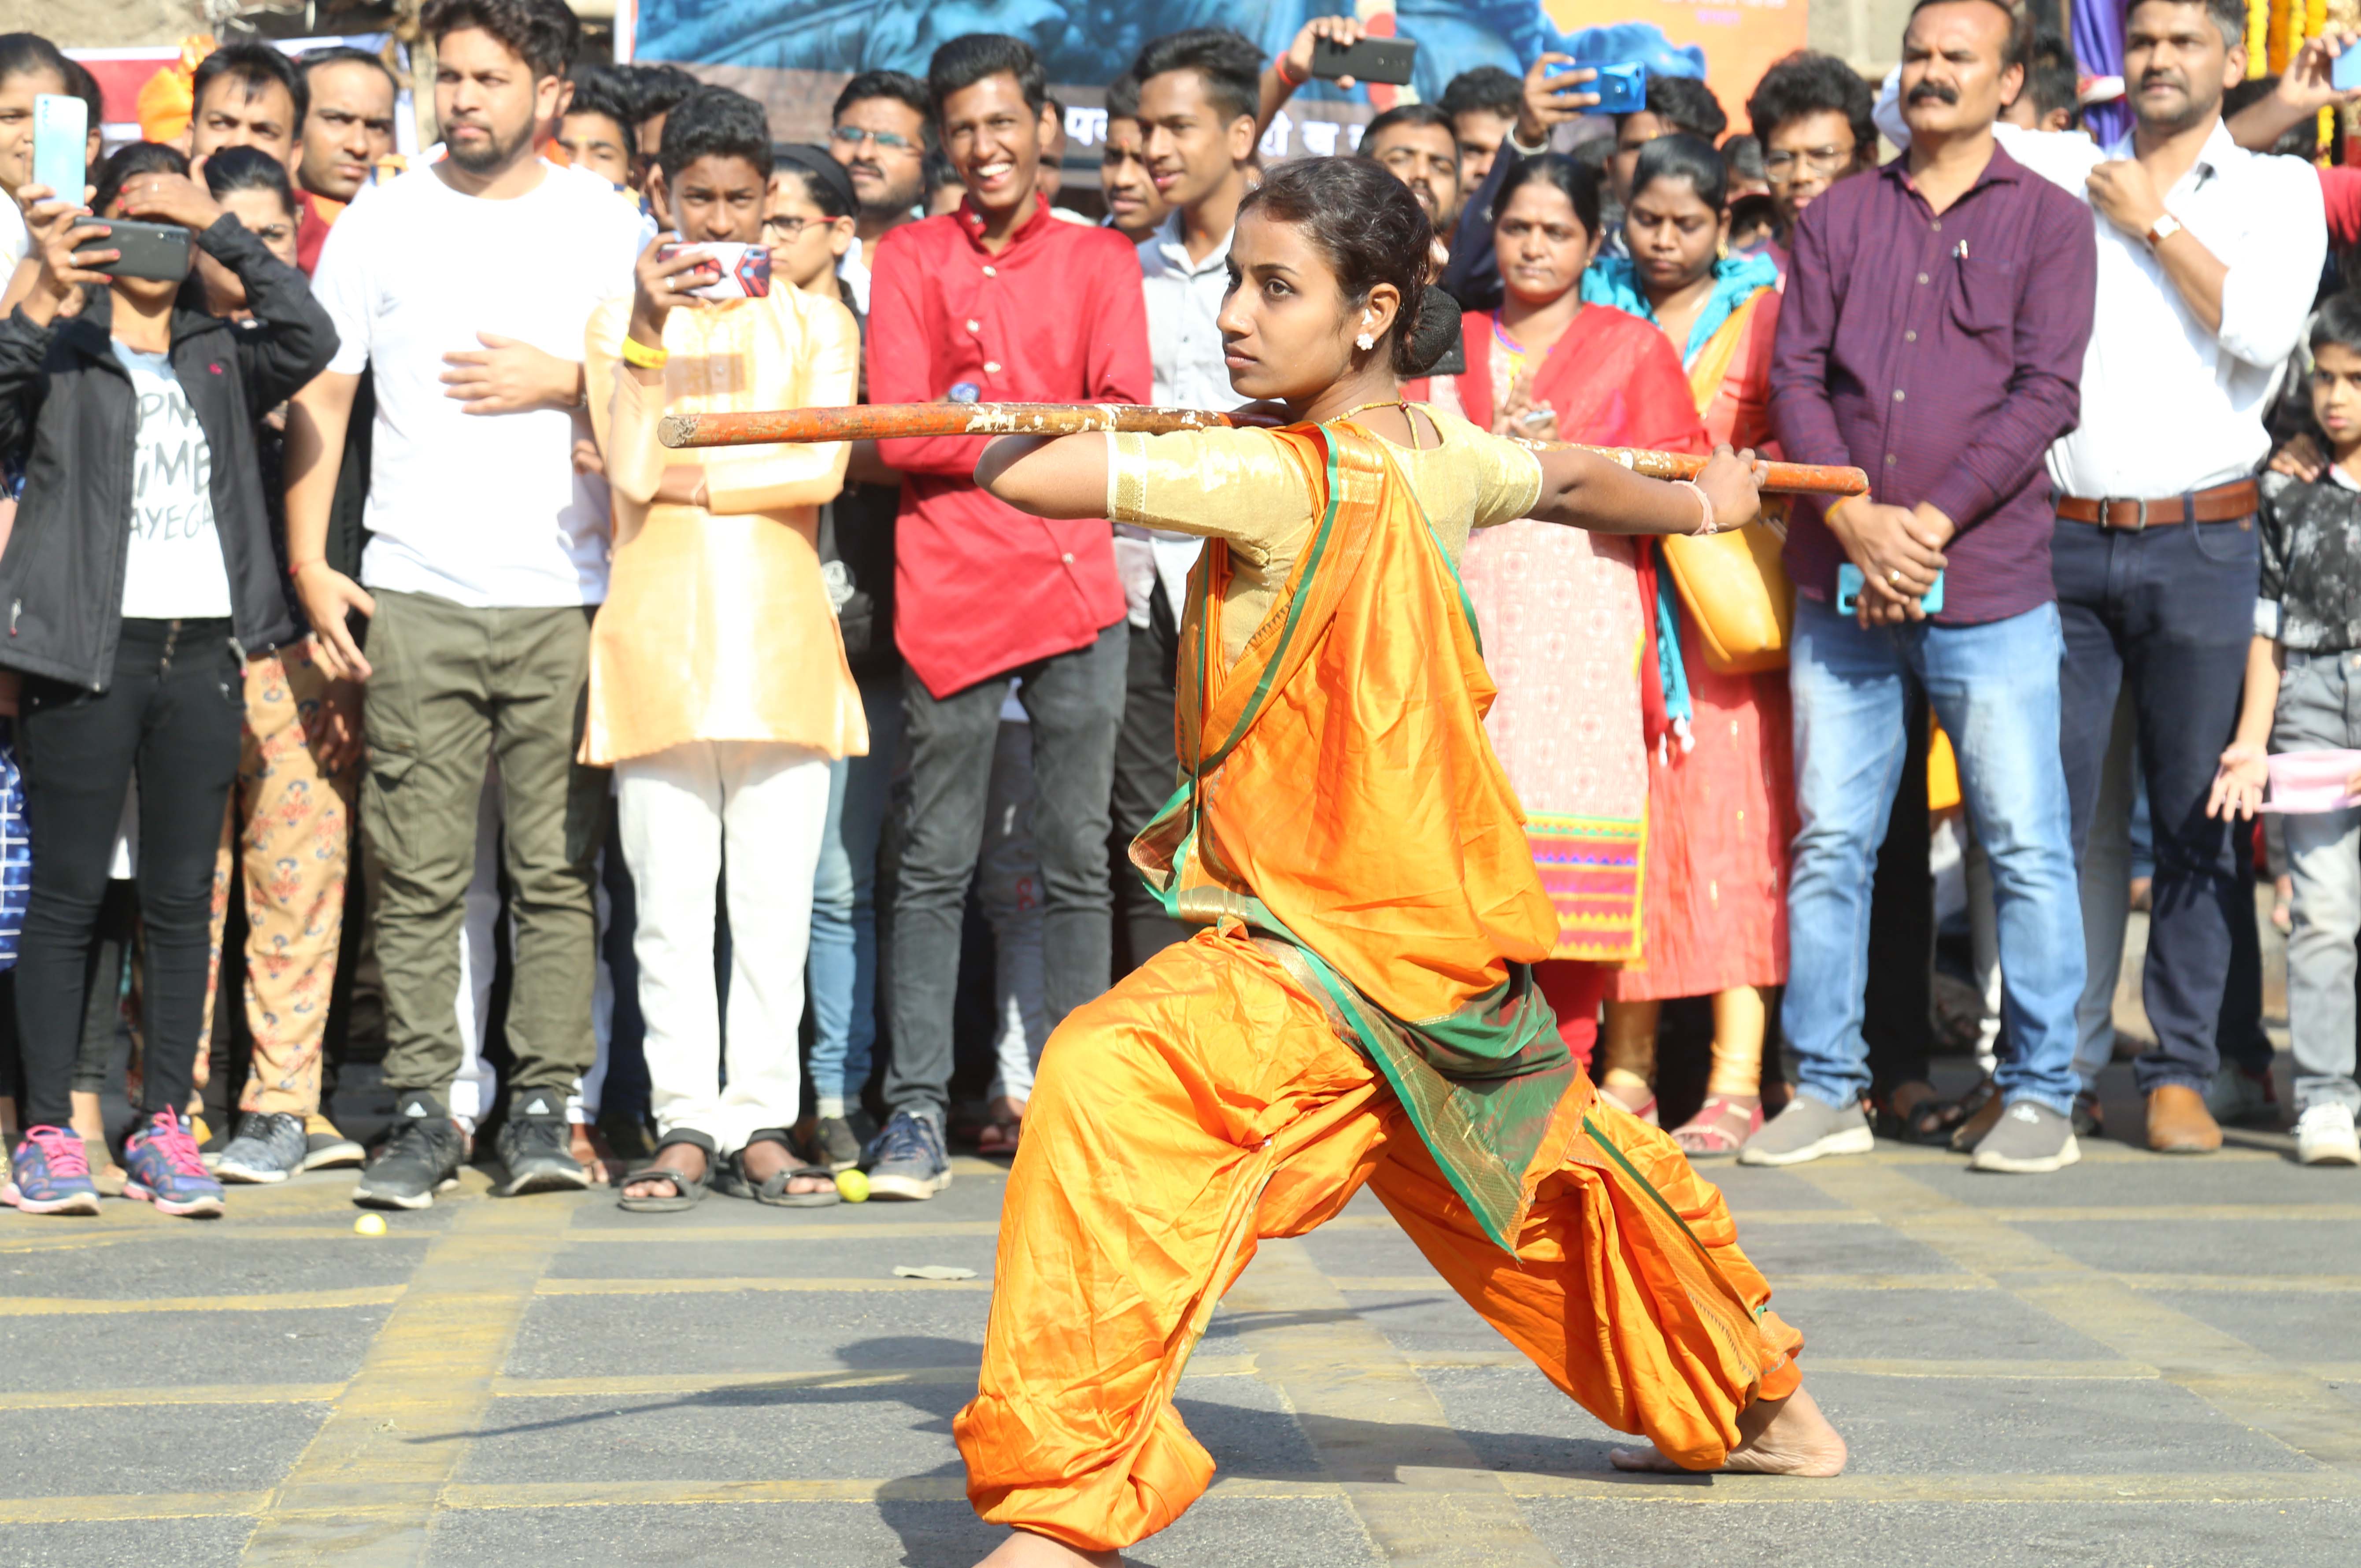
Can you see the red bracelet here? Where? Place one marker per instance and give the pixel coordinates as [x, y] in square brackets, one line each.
[1286, 68]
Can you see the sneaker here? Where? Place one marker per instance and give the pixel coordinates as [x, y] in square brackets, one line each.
[164, 1168]
[324, 1148]
[2029, 1140]
[536, 1144]
[2090, 1121]
[834, 1144]
[48, 1174]
[2324, 1135]
[906, 1160]
[1807, 1130]
[2238, 1095]
[268, 1147]
[419, 1157]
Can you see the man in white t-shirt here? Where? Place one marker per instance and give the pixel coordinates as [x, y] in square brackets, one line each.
[465, 287]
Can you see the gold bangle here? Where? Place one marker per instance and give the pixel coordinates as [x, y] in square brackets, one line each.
[639, 354]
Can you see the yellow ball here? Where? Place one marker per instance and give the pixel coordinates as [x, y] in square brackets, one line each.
[369, 1225]
[852, 1186]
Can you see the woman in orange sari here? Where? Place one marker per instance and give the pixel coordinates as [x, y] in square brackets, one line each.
[1358, 1005]
[1722, 801]
[1567, 615]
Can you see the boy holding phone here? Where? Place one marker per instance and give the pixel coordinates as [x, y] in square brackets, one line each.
[719, 688]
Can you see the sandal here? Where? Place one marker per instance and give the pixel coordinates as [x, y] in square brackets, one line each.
[732, 1181]
[1645, 1112]
[1000, 1136]
[1933, 1119]
[1707, 1134]
[687, 1191]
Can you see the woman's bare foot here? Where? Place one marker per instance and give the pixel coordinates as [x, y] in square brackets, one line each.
[686, 1159]
[760, 1161]
[1775, 1437]
[1023, 1549]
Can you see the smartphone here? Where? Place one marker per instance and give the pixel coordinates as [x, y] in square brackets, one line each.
[1848, 586]
[61, 138]
[1371, 59]
[2344, 72]
[1623, 89]
[732, 270]
[161, 251]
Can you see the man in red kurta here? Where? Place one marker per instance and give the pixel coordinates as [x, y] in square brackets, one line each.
[996, 302]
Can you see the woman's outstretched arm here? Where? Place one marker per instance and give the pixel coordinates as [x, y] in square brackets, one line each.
[1582, 490]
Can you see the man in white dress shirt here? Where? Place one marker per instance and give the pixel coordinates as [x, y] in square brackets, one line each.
[1198, 95]
[2209, 257]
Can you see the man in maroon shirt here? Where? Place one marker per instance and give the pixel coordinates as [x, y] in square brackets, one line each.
[996, 302]
[1933, 331]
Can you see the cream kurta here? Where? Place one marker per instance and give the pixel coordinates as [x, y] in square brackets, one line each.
[716, 624]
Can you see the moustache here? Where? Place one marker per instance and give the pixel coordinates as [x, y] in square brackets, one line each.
[2164, 78]
[1934, 93]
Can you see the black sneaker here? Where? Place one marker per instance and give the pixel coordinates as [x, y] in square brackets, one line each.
[419, 1157]
[324, 1146]
[834, 1144]
[536, 1145]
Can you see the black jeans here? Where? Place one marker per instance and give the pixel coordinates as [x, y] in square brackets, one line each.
[1897, 1004]
[1075, 701]
[1146, 770]
[2171, 609]
[171, 715]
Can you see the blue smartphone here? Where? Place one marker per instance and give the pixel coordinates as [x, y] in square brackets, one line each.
[1849, 584]
[1623, 89]
[2344, 72]
[60, 138]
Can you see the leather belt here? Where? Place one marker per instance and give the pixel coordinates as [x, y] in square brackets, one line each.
[2223, 503]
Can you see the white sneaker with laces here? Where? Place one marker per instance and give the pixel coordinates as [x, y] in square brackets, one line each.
[2326, 1137]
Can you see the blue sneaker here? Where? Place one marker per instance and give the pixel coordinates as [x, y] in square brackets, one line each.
[167, 1171]
[906, 1160]
[49, 1174]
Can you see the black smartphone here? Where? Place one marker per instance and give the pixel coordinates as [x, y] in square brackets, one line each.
[1371, 59]
[163, 252]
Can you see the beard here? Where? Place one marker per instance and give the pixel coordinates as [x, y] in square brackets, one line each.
[2189, 115]
[493, 153]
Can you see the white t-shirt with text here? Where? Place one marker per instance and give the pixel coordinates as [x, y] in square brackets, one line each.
[172, 568]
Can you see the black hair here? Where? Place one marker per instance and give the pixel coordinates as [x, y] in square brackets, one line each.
[137, 157]
[1122, 97]
[1368, 226]
[2338, 322]
[542, 33]
[25, 54]
[1579, 180]
[81, 84]
[2050, 87]
[1756, 211]
[603, 90]
[1810, 83]
[1742, 156]
[259, 66]
[1486, 87]
[825, 181]
[656, 89]
[312, 59]
[1411, 115]
[972, 57]
[2228, 16]
[1685, 104]
[1684, 157]
[1230, 65]
[714, 122]
[2017, 48]
[249, 169]
[899, 85]
[938, 172]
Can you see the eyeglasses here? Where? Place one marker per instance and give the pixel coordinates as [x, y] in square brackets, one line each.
[787, 230]
[853, 135]
[1781, 166]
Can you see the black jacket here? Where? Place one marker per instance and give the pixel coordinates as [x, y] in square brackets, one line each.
[64, 395]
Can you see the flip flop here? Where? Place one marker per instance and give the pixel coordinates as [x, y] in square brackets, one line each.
[687, 1192]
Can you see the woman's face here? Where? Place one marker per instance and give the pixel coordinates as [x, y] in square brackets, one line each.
[1287, 327]
[1673, 236]
[267, 218]
[805, 243]
[1541, 244]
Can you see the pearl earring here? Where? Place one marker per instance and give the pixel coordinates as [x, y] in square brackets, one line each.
[1365, 342]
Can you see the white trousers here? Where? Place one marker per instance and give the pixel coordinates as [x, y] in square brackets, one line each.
[760, 809]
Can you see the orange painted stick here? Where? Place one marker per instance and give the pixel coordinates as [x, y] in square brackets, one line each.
[887, 420]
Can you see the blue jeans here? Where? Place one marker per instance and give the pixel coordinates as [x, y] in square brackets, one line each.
[1994, 689]
[843, 963]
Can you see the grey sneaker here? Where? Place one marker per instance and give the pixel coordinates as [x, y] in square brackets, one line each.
[906, 1160]
[2028, 1139]
[268, 1147]
[1807, 1130]
[834, 1144]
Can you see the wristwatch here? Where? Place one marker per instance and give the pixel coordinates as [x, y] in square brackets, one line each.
[2164, 229]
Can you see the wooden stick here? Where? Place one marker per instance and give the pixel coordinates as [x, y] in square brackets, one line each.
[885, 421]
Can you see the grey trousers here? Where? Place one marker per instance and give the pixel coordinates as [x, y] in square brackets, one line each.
[2319, 706]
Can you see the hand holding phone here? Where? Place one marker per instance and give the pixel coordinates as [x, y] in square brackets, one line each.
[721, 270]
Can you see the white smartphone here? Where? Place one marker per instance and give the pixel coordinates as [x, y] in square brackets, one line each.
[61, 138]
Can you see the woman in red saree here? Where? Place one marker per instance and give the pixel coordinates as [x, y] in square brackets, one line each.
[1568, 617]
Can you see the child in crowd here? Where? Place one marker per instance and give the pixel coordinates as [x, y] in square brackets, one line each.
[2304, 672]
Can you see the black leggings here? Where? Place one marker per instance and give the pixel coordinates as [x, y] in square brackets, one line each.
[174, 712]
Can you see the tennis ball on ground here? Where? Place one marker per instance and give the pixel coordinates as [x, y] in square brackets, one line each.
[369, 1225]
[852, 1186]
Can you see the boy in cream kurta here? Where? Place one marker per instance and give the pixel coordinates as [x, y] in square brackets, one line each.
[719, 688]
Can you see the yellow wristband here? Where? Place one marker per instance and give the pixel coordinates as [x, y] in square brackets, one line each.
[639, 354]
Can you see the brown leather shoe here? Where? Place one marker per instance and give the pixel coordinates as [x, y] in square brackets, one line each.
[1970, 1132]
[2178, 1122]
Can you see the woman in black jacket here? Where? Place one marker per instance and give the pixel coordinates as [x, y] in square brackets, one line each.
[139, 576]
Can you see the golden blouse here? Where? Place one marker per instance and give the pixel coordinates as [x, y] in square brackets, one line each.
[1241, 487]
[717, 625]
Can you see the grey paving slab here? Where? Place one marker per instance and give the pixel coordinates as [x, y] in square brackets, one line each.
[151, 1543]
[184, 1264]
[156, 1448]
[2212, 1246]
[1837, 1249]
[679, 1333]
[152, 1348]
[850, 1257]
[2142, 1183]
[724, 1435]
[2293, 1325]
[1745, 1187]
[1952, 1325]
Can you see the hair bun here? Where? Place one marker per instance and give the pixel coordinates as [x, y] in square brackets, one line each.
[1435, 347]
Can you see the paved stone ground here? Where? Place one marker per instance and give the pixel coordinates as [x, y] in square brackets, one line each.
[2138, 1361]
